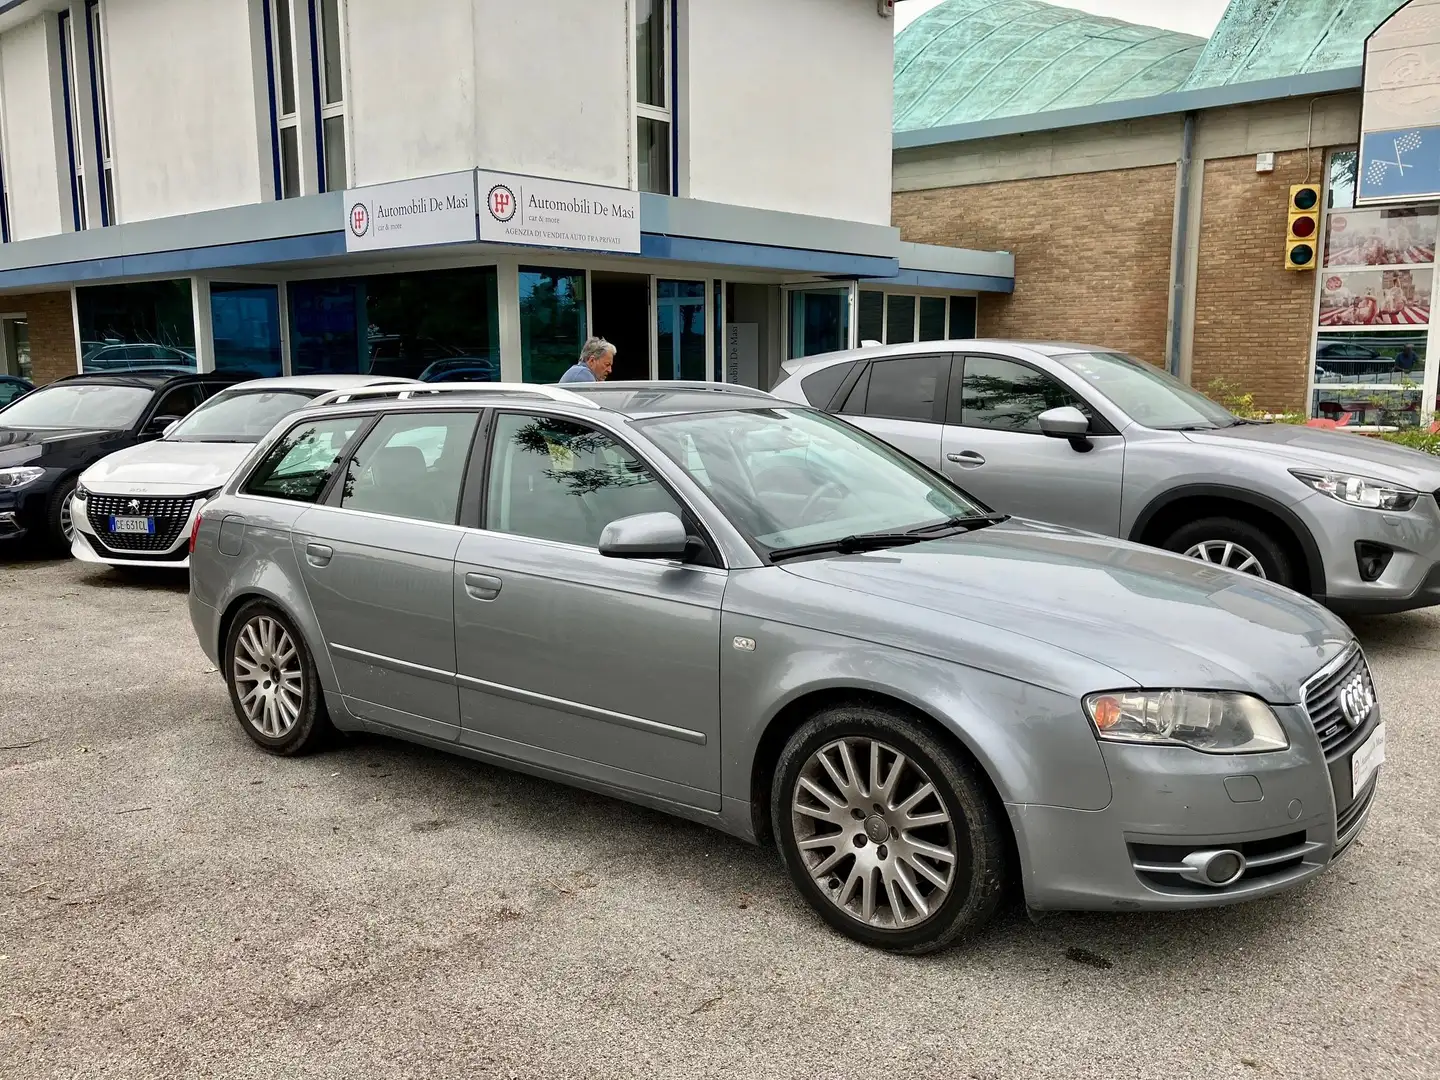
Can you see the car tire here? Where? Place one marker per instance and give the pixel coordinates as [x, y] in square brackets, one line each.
[1234, 543]
[284, 715]
[832, 876]
[57, 511]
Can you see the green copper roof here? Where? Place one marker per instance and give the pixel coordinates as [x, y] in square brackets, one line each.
[968, 60]
[1268, 39]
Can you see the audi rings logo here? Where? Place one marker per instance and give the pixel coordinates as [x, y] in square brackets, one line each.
[501, 202]
[1357, 699]
[359, 219]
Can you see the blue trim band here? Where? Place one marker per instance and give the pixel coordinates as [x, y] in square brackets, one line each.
[725, 253]
[315, 86]
[90, 6]
[64, 21]
[940, 279]
[265, 8]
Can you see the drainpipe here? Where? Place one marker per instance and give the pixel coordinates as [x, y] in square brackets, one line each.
[1178, 258]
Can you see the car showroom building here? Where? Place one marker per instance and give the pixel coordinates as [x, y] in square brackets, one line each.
[1143, 179]
[319, 185]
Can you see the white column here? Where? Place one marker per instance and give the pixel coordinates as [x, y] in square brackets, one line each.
[508, 294]
[204, 326]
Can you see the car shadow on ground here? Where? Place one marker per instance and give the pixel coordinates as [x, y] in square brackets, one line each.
[149, 579]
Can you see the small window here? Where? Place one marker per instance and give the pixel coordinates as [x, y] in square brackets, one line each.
[557, 480]
[962, 318]
[932, 318]
[905, 389]
[900, 319]
[821, 387]
[872, 315]
[300, 463]
[411, 465]
[1008, 396]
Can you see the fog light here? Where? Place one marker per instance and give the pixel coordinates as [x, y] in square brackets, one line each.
[1214, 868]
[1371, 559]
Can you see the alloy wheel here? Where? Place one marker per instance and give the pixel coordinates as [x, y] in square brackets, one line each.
[67, 520]
[1228, 554]
[269, 679]
[874, 833]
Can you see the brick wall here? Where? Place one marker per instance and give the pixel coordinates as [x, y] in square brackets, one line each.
[52, 332]
[1252, 316]
[1092, 252]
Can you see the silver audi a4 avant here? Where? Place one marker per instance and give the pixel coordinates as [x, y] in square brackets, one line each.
[751, 614]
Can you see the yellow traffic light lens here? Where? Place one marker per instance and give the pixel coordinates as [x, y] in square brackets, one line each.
[1307, 198]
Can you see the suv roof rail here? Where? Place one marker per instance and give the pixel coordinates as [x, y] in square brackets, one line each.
[696, 384]
[406, 391]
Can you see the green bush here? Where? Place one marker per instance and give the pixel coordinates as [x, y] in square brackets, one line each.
[1223, 392]
[1415, 439]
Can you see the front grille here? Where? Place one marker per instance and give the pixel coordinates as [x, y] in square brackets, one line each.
[170, 516]
[1322, 702]
[1349, 820]
[1271, 859]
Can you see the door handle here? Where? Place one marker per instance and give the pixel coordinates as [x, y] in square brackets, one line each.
[482, 586]
[319, 554]
[967, 459]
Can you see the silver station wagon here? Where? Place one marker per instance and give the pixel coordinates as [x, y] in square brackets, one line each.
[753, 615]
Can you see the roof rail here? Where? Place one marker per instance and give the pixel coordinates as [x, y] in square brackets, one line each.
[406, 391]
[713, 387]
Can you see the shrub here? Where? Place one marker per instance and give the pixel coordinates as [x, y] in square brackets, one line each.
[1415, 439]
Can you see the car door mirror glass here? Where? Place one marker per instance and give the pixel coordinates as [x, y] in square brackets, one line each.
[645, 536]
[1066, 422]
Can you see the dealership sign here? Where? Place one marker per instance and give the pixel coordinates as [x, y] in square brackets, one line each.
[411, 213]
[557, 213]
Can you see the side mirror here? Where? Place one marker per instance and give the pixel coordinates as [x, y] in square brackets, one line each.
[161, 425]
[645, 536]
[1066, 422]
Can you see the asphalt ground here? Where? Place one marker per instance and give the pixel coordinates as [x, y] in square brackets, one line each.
[175, 903]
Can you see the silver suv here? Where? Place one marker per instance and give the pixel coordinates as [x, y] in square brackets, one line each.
[1096, 440]
[758, 617]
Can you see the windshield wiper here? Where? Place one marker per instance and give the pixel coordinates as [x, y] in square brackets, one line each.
[855, 544]
[968, 523]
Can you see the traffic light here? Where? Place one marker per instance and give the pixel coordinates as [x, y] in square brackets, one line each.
[1304, 232]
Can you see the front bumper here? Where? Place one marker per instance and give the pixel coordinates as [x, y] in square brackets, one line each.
[1297, 817]
[91, 545]
[1411, 578]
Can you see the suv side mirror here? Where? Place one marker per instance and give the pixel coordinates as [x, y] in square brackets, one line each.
[1066, 422]
[645, 536]
[161, 425]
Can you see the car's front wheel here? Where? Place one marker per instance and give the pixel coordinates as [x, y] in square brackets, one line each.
[886, 831]
[1236, 545]
[273, 684]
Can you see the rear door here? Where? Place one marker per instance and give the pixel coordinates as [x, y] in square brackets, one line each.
[377, 560]
[994, 448]
[902, 400]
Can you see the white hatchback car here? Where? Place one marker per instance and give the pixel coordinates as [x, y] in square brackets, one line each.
[136, 507]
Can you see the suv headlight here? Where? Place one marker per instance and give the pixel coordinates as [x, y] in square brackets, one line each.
[1359, 490]
[1217, 723]
[10, 479]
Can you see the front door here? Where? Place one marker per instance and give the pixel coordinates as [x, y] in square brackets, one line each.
[902, 400]
[378, 560]
[993, 448]
[608, 668]
[680, 331]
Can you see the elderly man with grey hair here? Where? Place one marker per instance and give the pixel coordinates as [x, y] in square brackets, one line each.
[596, 360]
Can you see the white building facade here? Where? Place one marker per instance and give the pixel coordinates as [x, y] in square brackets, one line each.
[325, 185]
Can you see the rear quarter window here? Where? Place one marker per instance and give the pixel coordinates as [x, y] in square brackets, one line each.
[820, 388]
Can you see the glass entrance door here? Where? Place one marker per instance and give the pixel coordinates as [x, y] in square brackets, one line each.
[818, 320]
[680, 346]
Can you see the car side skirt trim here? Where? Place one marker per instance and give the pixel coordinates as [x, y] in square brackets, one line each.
[530, 697]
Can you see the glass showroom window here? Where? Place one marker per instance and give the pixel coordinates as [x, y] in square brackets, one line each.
[897, 318]
[552, 321]
[330, 75]
[1376, 279]
[71, 103]
[279, 25]
[100, 107]
[146, 325]
[654, 125]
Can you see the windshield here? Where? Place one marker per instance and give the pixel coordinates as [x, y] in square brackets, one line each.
[239, 416]
[79, 406]
[794, 477]
[1146, 394]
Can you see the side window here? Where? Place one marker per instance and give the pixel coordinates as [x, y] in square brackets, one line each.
[557, 480]
[1007, 396]
[180, 401]
[411, 465]
[301, 461]
[900, 389]
[820, 387]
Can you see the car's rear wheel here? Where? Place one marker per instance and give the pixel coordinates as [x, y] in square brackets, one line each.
[889, 834]
[273, 683]
[1235, 545]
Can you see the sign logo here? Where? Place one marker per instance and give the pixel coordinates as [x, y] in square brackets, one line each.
[501, 202]
[359, 219]
[1357, 699]
[133, 504]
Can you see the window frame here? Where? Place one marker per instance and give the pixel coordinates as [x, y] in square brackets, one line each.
[475, 495]
[667, 9]
[335, 110]
[4, 191]
[919, 297]
[277, 79]
[1099, 423]
[70, 103]
[333, 495]
[98, 54]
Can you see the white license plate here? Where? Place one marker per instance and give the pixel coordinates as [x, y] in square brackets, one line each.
[1367, 759]
[142, 525]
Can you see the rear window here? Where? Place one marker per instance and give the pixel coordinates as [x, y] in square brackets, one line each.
[821, 387]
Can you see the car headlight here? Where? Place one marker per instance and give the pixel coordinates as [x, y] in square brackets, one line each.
[1217, 723]
[1359, 490]
[11, 479]
[82, 492]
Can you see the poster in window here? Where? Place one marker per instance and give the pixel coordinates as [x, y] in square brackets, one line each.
[1376, 298]
[1382, 237]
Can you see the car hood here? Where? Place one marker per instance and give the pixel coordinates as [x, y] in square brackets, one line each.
[172, 467]
[1159, 619]
[25, 446]
[1302, 447]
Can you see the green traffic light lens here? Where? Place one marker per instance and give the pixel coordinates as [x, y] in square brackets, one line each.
[1302, 255]
[1306, 199]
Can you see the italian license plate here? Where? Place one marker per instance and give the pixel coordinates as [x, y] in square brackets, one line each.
[122, 526]
[1367, 759]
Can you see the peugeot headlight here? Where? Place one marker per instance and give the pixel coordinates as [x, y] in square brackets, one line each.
[1359, 490]
[1217, 723]
[82, 492]
[11, 479]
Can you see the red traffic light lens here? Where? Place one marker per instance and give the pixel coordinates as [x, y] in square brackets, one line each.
[1302, 255]
[1307, 198]
[1303, 227]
